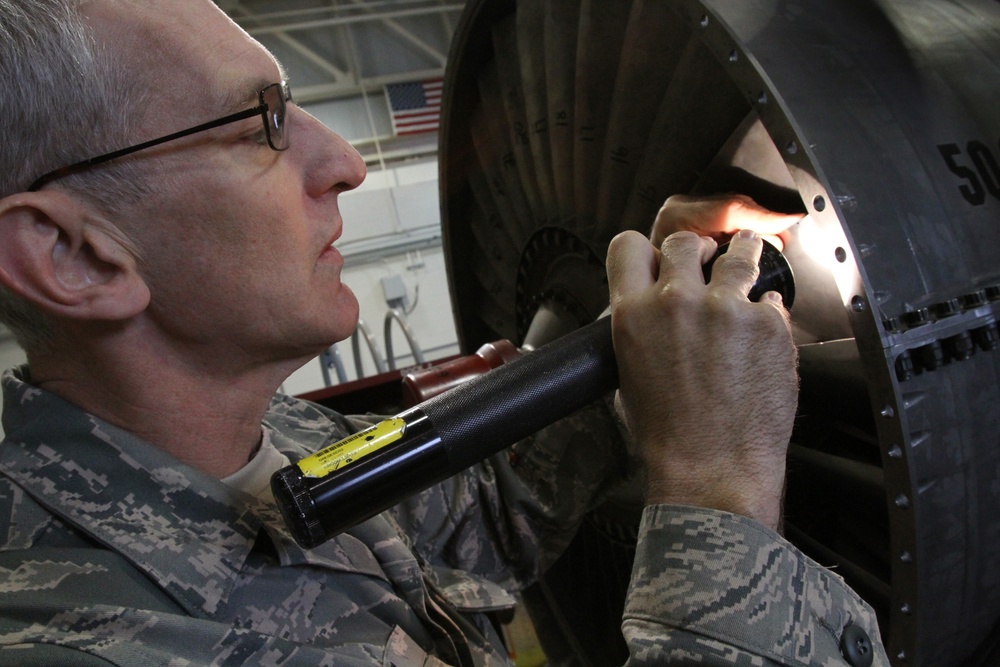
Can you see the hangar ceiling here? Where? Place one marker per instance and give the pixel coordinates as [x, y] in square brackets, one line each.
[342, 48]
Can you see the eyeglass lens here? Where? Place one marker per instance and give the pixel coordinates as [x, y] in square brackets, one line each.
[274, 97]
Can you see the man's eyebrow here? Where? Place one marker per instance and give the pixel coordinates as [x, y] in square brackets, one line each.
[241, 97]
[245, 95]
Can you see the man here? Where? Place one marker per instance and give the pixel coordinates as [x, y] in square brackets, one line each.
[164, 295]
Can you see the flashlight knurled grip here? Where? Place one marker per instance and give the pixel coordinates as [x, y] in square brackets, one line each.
[448, 433]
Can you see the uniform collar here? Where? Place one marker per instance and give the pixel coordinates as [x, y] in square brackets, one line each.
[128, 495]
[185, 529]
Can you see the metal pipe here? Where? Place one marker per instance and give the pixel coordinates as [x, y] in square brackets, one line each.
[397, 315]
[330, 358]
[373, 348]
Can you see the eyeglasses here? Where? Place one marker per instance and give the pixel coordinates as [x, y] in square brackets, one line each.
[273, 102]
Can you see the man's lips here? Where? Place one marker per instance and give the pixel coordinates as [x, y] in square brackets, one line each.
[330, 251]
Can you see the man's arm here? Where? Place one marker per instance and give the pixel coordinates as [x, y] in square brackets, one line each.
[708, 392]
[718, 589]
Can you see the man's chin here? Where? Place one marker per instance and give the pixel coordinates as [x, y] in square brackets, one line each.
[348, 312]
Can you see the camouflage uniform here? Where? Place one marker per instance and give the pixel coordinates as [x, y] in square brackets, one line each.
[112, 552]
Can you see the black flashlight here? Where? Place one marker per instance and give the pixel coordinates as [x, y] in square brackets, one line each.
[374, 469]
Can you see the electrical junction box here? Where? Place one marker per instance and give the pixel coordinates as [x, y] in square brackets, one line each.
[394, 290]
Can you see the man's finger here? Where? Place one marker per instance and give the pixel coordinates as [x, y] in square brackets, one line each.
[683, 255]
[719, 216]
[632, 264]
[775, 299]
[736, 271]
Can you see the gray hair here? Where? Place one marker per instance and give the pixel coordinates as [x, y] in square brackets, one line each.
[65, 99]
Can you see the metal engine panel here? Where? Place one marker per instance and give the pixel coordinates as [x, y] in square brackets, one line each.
[566, 121]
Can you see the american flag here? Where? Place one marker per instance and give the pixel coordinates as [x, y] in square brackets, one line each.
[415, 107]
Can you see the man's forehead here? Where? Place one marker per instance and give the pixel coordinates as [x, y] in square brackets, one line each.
[187, 44]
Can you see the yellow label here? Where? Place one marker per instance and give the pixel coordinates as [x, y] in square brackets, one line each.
[352, 448]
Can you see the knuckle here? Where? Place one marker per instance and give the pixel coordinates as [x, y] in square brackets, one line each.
[682, 244]
[684, 237]
[673, 297]
[739, 202]
[735, 264]
[728, 312]
[624, 237]
[674, 200]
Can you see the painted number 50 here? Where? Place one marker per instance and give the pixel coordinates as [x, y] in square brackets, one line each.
[982, 176]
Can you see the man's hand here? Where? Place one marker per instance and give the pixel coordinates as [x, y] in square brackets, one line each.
[719, 217]
[708, 378]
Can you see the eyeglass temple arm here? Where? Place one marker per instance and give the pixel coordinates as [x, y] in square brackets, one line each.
[107, 157]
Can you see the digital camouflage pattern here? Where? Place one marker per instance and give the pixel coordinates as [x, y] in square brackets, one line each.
[113, 552]
[768, 604]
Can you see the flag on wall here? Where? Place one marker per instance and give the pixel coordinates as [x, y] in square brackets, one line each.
[415, 107]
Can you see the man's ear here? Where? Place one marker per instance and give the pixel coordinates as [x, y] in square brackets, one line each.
[60, 254]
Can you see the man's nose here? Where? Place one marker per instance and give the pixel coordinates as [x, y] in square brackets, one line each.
[332, 163]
